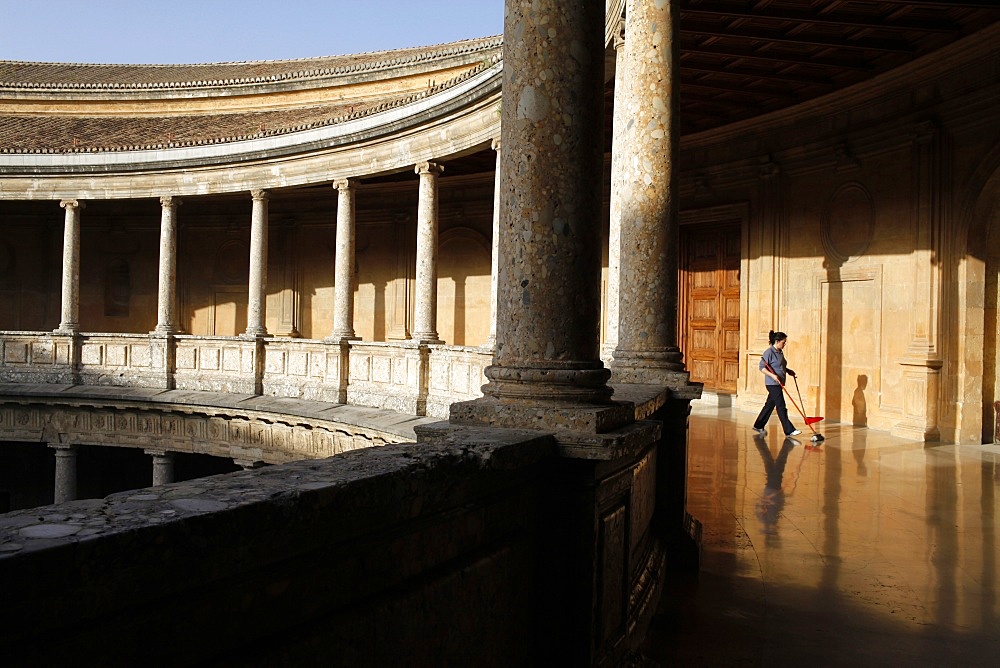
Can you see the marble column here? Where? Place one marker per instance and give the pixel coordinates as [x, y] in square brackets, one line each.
[614, 228]
[163, 467]
[343, 281]
[70, 312]
[258, 265]
[491, 340]
[425, 305]
[65, 487]
[167, 294]
[548, 279]
[644, 184]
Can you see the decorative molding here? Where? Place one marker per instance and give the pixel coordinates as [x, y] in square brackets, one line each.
[847, 223]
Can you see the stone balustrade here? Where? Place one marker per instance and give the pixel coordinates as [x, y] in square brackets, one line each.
[417, 379]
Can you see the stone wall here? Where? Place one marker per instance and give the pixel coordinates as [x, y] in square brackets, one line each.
[476, 546]
[856, 211]
[418, 555]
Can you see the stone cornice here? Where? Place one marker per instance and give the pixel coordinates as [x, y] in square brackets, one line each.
[288, 71]
[458, 120]
[419, 100]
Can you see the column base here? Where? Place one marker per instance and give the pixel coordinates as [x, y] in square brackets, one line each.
[257, 334]
[571, 385]
[338, 338]
[430, 338]
[649, 367]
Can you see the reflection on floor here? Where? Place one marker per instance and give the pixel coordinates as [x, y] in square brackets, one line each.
[861, 550]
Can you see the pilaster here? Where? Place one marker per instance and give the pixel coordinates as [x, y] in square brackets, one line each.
[922, 362]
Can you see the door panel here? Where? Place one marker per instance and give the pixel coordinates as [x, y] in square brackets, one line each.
[710, 283]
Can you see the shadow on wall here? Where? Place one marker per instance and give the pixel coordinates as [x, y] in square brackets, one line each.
[859, 403]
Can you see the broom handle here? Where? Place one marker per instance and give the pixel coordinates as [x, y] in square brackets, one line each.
[791, 398]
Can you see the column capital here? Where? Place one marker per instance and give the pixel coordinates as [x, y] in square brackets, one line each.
[619, 37]
[428, 168]
[495, 144]
[345, 184]
[259, 195]
[170, 201]
[72, 204]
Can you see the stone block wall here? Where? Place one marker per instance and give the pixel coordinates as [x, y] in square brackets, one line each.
[402, 555]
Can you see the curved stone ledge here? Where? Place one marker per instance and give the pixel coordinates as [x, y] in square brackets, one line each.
[237, 426]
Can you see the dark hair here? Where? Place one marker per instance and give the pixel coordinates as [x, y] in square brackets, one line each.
[773, 336]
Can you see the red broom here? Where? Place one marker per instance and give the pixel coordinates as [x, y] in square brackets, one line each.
[810, 421]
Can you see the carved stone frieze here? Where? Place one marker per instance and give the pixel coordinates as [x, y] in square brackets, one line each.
[268, 439]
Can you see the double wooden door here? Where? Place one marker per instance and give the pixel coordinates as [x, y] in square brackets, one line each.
[709, 321]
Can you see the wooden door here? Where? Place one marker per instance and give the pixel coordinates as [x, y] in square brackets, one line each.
[710, 304]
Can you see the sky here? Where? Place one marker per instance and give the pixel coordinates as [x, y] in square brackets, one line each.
[211, 31]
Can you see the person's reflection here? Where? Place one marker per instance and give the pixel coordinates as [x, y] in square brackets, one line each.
[859, 403]
[858, 450]
[772, 500]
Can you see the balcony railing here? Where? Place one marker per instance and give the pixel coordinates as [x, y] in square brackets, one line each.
[417, 379]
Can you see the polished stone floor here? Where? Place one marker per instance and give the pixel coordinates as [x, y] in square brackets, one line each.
[862, 550]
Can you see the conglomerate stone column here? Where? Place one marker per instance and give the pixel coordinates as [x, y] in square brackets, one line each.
[258, 265]
[491, 340]
[425, 306]
[167, 294]
[643, 184]
[614, 228]
[65, 482]
[163, 467]
[343, 281]
[69, 322]
[548, 280]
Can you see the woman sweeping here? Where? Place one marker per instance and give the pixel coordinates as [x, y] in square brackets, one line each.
[772, 365]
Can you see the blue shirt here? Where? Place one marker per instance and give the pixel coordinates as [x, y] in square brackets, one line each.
[776, 359]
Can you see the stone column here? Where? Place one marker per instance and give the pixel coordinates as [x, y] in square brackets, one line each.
[491, 341]
[425, 306]
[548, 280]
[65, 472]
[343, 282]
[163, 467]
[614, 228]
[644, 192]
[258, 265]
[69, 323]
[167, 295]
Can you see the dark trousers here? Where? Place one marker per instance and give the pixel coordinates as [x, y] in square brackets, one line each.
[775, 399]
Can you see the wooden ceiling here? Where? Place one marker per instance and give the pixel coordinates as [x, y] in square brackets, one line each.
[742, 58]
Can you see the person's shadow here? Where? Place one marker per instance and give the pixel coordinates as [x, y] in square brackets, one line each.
[772, 499]
[859, 403]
